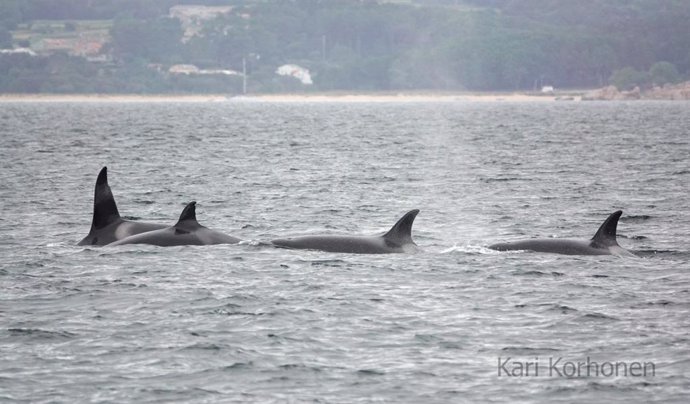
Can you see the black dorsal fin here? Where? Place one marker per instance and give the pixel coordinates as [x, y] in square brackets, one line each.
[606, 235]
[401, 232]
[188, 217]
[104, 208]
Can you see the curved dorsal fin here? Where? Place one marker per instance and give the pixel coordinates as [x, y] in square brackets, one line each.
[606, 235]
[401, 232]
[104, 208]
[188, 217]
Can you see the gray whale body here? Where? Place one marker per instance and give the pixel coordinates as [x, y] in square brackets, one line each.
[397, 240]
[603, 243]
[187, 231]
[107, 226]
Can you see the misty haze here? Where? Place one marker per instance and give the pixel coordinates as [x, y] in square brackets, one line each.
[234, 47]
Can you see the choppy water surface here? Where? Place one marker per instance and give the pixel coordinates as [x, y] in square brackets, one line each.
[250, 323]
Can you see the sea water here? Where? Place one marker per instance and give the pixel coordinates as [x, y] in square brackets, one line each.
[455, 322]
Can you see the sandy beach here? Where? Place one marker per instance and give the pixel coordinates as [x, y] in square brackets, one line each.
[120, 98]
[400, 97]
[282, 98]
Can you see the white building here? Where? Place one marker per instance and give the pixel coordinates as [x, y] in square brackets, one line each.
[298, 72]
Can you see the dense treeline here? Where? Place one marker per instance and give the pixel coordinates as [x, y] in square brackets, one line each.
[366, 45]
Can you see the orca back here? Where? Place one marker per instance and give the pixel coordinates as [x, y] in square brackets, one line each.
[606, 235]
[104, 207]
[401, 232]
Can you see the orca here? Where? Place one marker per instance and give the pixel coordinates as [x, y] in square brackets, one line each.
[603, 243]
[107, 225]
[187, 231]
[397, 240]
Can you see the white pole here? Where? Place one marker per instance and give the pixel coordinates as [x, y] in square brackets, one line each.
[244, 75]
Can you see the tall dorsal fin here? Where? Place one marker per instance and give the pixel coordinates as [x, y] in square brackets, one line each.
[188, 217]
[104, 208]
[401, 232]
[606, 235]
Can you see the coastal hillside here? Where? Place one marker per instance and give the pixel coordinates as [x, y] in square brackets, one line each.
[234, 47]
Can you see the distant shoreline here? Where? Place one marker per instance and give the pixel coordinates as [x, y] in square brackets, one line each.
[343, 97]
[354, 97]
[286, 98]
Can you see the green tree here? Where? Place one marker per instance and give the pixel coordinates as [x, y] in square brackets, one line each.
[664, 72]
[5, 38]
[10, 13]
[628, 78]
[155, 41]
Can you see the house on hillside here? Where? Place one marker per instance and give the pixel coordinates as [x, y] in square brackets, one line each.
[192, 18]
